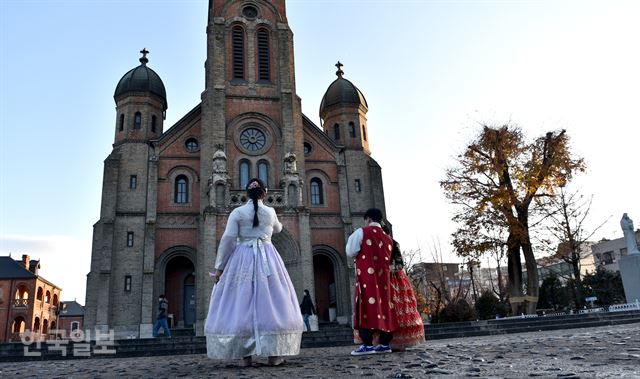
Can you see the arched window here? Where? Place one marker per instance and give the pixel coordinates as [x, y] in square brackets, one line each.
[245, 173]
[75, 325]
[121, 126]
[263, 172]
[336, 132]
[36, 325]
[45, 327]
[263, 55]
[137, 120]
[181, 192]
[364, 133]
[316, 191]
[47, 297]
[18, 324]
[153, 124]
[55, 299]
[352, 130]
[39, 294]
[237, 37]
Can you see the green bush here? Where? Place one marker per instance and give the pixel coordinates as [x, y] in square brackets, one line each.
[457, 310]
[488, 306]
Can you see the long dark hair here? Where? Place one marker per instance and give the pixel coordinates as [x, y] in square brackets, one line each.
[255, 192]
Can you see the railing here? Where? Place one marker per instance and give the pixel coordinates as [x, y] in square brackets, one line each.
[591, 310]
[21, 303]
[625, 307]
[274, 198]
[520, 316]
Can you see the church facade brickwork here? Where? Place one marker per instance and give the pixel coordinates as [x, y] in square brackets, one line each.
[167, 192]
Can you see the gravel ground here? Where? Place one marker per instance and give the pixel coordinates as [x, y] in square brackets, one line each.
[604, 352]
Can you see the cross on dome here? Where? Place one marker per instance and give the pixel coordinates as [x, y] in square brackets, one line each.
[339, 72]
[144, 58]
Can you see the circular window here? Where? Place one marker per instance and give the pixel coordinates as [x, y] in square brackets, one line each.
[253, 139]
[250, 12]
[191, 144]
[307, 149]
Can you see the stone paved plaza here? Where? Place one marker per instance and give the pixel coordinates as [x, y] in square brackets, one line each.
[604, 352]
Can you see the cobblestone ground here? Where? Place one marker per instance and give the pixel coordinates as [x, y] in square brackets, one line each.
[606, 352]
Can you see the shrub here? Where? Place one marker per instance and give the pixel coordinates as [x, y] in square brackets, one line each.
[457, 310]
[488, 306]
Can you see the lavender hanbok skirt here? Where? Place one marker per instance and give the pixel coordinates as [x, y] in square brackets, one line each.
[253, 309]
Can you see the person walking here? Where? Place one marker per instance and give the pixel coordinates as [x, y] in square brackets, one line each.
[161, 320]
[253, 308]
[307, 309]
[371, 248]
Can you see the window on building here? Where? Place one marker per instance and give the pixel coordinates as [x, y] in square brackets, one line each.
[75, 325]
[607, 257]
[364, 132]
[47, 297]
[336, 132]
[237, 37]
[316, 191]
[133, 181]
[352, 130]
[137, 120]
[129, 239]
[39, 294]
[307, 149]
[358, 186]
[263, 172]
[127, 283]
[245, 173]
[263, 55]
[121, 124]
[181, 193]
[191, 144]
[153, 124]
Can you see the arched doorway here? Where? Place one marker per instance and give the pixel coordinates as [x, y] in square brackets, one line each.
[331, 280]
[324, 279]
[179, 289]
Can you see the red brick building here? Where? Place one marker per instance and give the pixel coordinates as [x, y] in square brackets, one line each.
[167, 192]
[28, 302]
[70, 317]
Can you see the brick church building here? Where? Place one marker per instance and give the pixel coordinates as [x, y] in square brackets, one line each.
[167, 192]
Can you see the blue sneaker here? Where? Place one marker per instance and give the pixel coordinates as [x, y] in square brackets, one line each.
[362, 350]
[381, 349]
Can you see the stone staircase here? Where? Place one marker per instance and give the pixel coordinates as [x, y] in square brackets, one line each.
[184, 342]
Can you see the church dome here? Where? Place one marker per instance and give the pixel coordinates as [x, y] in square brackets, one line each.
[341, 91]
[141, 79]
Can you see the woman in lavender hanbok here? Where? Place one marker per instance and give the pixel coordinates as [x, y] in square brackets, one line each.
[254, 308]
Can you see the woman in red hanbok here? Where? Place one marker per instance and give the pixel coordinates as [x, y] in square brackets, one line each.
[410, 331]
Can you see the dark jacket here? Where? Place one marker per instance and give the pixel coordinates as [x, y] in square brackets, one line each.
[163, 307]
[307, 306]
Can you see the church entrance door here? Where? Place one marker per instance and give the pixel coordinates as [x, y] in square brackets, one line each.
[179, 290]
[189, 305]
[324, 278]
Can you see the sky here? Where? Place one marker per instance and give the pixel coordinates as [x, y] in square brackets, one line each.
[431, 71]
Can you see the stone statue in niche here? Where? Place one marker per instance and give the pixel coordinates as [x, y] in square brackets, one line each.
[629, 234]
[290, 163]
[219, 162]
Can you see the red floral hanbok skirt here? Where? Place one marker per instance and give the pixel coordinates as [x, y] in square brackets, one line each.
[410, 330]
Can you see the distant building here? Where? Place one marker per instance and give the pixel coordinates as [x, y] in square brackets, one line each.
[445, 275]
[607, 253]
[28, 302]
[562, 269]
[71, 317]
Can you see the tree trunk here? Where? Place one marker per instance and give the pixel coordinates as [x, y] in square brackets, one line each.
[514, 267]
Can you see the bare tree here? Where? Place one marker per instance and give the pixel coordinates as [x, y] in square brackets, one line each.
[566, 215]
